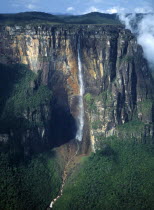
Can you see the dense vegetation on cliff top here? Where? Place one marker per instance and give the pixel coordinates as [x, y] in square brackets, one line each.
[45, 18]
[118, 176]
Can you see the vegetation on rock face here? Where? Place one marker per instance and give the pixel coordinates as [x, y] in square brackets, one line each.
[118, 176]
[90, 101]
[139, 125]
[127, 59]
[131, 126]
[23, 98]
[29, 185]
[145, 107]
[20, 89]
[96, 124]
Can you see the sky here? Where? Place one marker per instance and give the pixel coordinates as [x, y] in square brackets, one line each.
[77, 6]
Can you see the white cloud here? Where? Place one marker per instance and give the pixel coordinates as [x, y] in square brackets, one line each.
[143, 10]
[117, 9]
[113, 10]
[92, 9]
[69, 9]
[146, 37]
[144, 32]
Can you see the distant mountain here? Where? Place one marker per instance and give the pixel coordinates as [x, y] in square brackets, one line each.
[41, 17]
[46, 18]
[28, 17]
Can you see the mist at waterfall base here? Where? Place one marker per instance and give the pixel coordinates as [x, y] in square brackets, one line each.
[80, 117]
[144, 29]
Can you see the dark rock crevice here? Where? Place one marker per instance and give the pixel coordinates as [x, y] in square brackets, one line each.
[62, 125]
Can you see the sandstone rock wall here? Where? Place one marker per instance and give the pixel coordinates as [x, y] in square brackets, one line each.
[116, 76]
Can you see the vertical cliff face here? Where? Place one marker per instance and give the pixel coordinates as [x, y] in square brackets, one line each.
[118, 83]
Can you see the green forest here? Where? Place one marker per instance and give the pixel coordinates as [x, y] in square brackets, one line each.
[118, 176]
[45, 18]
[30, 184]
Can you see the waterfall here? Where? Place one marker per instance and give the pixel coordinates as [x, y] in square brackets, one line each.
[80, 121]
[80, 117]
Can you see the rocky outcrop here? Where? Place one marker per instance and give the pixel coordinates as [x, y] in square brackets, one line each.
[118, 83]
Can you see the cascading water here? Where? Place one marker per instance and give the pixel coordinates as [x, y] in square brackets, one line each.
[64, 177]
[80, 118]
[80, 121]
